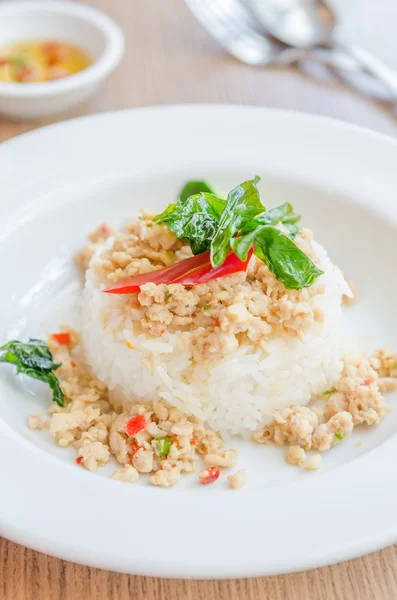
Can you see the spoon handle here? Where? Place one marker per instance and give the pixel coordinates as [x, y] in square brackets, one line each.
[331, 58]
[375, 67]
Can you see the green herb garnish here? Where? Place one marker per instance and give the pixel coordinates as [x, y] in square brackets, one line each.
[193, 187]
[280, 214]
[34, 359]
[339, 436]
[241, 222]
[330, 391]
[162, 445]
[243, 204]
[193, 219]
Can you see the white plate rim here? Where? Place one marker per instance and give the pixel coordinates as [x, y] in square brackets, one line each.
[35, 525]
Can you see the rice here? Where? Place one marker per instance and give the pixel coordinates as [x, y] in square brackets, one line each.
[235, 394]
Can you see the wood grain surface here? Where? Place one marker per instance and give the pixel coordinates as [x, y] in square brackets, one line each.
[170, 59]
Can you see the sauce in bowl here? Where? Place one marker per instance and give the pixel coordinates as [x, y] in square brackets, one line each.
[39, 61]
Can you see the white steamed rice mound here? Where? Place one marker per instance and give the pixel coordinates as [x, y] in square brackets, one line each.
[236, 394]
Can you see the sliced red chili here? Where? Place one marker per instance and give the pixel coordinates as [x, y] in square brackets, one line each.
[367, 381]
[79, 460]
[206, 273]
[135, 425]
[62, 338]
[209, 475]
[166, 275]
[188, 272]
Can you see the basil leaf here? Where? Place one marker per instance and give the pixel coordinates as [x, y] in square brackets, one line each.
[57, 393]
[285, 259]
[280, 214]
[217, 204]
[293, 229]
[243, 204]
[34, 359]
[193, 187]
[243, 244]
[195, 219]
[34, 353]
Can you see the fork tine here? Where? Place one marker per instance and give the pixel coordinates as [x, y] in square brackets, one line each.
[228, 23]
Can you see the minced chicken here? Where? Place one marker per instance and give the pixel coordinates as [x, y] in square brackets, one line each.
[354, 400]
[219, 315]
[97, 430]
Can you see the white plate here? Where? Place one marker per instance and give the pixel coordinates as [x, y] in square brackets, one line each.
[56, 184]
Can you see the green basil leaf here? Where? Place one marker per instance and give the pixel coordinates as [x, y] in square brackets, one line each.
[243, 244]
[195, 219]
[280, 214]
[285, 259]
[243, 204]
[34, 359]
[57, 393]
[293, 229]
[34, 353]
[193, 187]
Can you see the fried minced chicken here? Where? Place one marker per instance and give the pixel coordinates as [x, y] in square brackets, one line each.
[355, 399]
[90, 423]
[217, 316]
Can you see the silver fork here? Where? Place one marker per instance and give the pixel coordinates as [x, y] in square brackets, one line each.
[234, 29]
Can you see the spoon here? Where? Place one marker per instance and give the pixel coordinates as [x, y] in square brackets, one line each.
[233, 26]
[310, 24]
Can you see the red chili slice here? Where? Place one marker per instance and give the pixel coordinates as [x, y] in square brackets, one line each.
[206, 273]
[62, 338]
[188, 272]
[166, 275]
[79, 460]
[134, 447]
[135, 425]
[209, 475]
[367, 381]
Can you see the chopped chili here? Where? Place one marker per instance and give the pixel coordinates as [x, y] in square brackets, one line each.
[134, 447]
[162, 445]
[79, 460]
[209, 475]
[62, 338]
[367, 381]
[135, 425]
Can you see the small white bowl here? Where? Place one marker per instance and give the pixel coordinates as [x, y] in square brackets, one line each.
[66, 22]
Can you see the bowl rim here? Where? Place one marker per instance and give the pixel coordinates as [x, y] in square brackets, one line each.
[95, 72]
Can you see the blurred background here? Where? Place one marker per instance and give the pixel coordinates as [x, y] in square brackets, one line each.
[170, 58]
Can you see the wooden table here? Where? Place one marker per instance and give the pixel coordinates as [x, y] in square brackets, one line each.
[170, 59]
